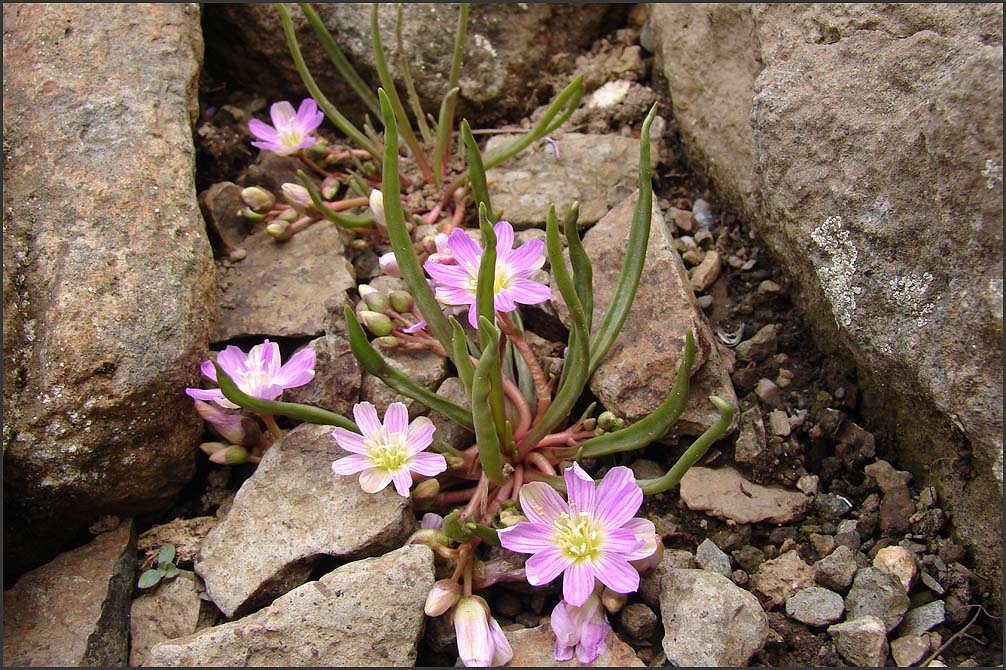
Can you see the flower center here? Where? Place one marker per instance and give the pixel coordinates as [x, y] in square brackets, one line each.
[501, 281]
[579, 536]
[289, 135]
[251, 378]
[387, 452]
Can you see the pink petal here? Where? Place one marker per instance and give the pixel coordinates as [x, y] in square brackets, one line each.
[201, 394]
[503, 302]
[621, 541]
[455, 296]
[350, 465]
[266, 392]
[263, 130]
[618, 497]
[527, 538]
[366, 418]
[579, 490]
[415, 328]
[431, 520]
[396, 419]
[208, 370]
[502, 651]
[528, 292]
[452, 275]
[592, 641]
[372, 481]
[616, 573]
[350, 441]
[299, 370]
[645, 531]
[420, 435]
[308, 116]
[473, 316]
[268, 354]
[403, 482]
[541, 504]
[274, 147]
[567, 631]
[427, 464]
[578, 583]
[464, 248]
[504, 238]
[231, 359]
[281, 114]
[528, 258]
[545, 566]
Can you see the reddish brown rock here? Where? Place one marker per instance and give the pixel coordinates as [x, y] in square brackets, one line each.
[725, 493]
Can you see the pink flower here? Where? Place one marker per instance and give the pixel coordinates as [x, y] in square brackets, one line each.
[456, 283]
[581, 629]
[257, 373]
[594, 535]
[289, 131]
[388, 452]
[481, 641]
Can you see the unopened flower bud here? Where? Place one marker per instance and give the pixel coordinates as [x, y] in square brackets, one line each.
[426, 489]
[377, 207]
[511, 517]
[389, 265]
[454, 462]
[234, 428]
[378, 324]
[613, 601]
[401, 301]
[387, 342]
[359, 244]
[232, 455]
[429, 244]
[329, 187]
[608, 421]
[248, 214]
[376, 300]
[298, 196]
[288, 215]
[442, 597]
[280, 230]
[590, 424]
[429, 537]
[258, 198]
[210, 448]
[644, 565]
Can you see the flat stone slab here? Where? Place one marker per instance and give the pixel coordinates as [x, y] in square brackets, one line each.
[724, 492]
[74, 611]
[599, 171]
[535, 648]
[283, 289]
[365, 613]
[290, 513]
[171, 610]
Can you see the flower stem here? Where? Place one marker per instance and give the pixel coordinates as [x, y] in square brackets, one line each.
[271, 424]
[538, 459]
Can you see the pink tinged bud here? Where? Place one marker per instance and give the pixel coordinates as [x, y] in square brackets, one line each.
[280, 230]
[288, 215]
[234, 428]
[612, 601]
[426, 489]
[481, 642]
[511, 517]
[647, 564]
[379, 325]
[232, 455]
[429, 537]
[210, 448]
[297, 196]
[432, 520]
[442, 597]
[329, 187]
[401, 301]
[389, 265]
[377, 208]
[388, 342]
[376, 300]
[258, 199]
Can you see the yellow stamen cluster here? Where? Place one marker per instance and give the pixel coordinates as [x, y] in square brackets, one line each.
[578, 536]
[387, 452]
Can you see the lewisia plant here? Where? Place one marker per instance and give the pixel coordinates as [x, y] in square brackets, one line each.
[518, 503]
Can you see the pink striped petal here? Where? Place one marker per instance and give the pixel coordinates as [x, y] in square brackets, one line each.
[350, 441]
[616, 573]
[528, 258]
[621, 541]
[541, 504]
[618, 497]
[366, 418]
[308, 116]
[528, 292]
[274, 147]
[208, 369]
[373, 480]
[502, 651]
[263, 131]
[427, 464]
[403, 482]
[579, 489]
[545, 566]
[396, 419]
[420, 435]
[473, 316]
[503, 302]
[231, 359]
[504, 238]
[204, 394]
[464, 248]
[578, 583]
[452, 275]
[350, 465]
[527, 538]
[299, 370]
[282, 114]
[645, 531]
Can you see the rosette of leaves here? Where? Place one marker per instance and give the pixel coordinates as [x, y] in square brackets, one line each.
[166, 568]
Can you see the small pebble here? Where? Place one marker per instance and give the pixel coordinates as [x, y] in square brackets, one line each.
[768, 392]
[702, 213]
[682, 219]
[909, 650]
[769, 287]
[693, 256]
[836, 570]
[899, 562]
[238, 255]
[778, 422]
[704, 301]
[823, 544]
[639, 621]
[808, 484]
[707, 272]
[924, 618]
[710, 557]
[815, 606]
[704, 238]
[784, 378]
[684, 244]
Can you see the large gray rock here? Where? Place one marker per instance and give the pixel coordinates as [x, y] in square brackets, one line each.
[107, 271]
[641, 366]
[510, 51]
[865, 143]
[74, 610]
[292, 512]
[709, 621]
[365, 613]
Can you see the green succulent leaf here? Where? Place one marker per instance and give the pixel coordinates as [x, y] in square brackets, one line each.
[149, 578]
[167, 554]
[170, 571]
[454, 528]
[344, 220]
[486, 429]
[410, 86]
[476, 171]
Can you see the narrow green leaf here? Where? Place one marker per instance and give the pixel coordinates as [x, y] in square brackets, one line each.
[635, 256]
[485, 289]
[486, 429]
[166, 554]
[444, 124]
[149, 578]
[450, 101]
[476, 171]
[485, 533]
[410, 86]
[694, 452]
[339, 60]
[463, 361]
[654, 426]
[290, 409]
[583, 272]
[346, 221]
[333, 114]
[374, 364]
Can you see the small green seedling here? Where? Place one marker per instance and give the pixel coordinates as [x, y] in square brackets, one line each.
[166, 568]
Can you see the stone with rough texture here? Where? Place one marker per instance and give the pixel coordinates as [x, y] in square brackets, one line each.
[779, 579]
[726, 493]
[712, 558]
[446, 430]
[862, 642]
[171, 610]
[365, 613]
[909, 650]
[74, 611]
[640, 368]
[709, 621]
[284, 289]
[925, 617]
[424, 367]
[292, 512]
[864, 141]
[878, 594]
[815, 606]
[509, 52]
[535, 648]
[650, 583]
[187, 535]
[107, 270]
[836, 570]
[899, 562]
[598, 171]
[337, 377]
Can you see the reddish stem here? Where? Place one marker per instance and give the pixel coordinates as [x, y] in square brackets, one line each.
[537, 459]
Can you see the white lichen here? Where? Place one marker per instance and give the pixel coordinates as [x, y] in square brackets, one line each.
[993, 173]
[909, 293]
[836, 278]
[482, 42]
